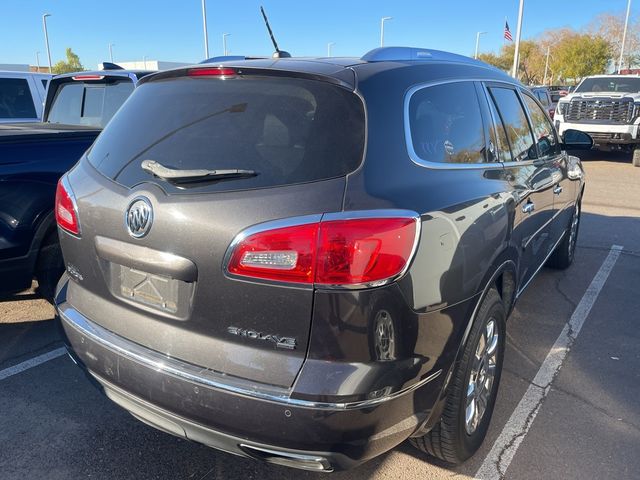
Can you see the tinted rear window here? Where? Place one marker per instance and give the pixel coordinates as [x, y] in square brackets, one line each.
[92, 104]
[289, 130]
[15, 99]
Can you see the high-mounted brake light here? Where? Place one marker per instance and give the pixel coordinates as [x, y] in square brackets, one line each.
[212, 72]
[87, 77]
[360, 252]
[65, 209]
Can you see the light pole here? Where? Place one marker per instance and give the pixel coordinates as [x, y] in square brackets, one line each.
[516, 53]
[382, 20]
[478, 43]
[111, 51]
[38, 61]
[624, 35]
[224, 43]
[204, 26]
[546, 66]
[46, 37]
[144, 60]
[329, 45]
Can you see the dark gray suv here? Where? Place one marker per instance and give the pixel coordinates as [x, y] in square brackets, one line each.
[309, 261]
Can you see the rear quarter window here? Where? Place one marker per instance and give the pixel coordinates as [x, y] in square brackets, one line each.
[288, 130]
[446, 124]
[15, 99]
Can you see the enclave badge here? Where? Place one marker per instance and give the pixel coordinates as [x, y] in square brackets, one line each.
[281, 342]
[139, 217]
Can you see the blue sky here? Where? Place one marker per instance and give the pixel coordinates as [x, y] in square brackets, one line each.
[172, 30]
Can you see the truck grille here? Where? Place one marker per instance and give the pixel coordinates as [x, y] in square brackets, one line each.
[600, 110]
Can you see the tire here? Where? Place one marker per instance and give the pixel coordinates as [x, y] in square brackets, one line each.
[49, 267]
[563, 255]
[453, 439]
[636, 157]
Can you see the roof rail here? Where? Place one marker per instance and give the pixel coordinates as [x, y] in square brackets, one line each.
[403, 54]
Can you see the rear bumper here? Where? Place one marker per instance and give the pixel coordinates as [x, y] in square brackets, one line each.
[251, 421]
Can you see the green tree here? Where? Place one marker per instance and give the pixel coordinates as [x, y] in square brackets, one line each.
[71, 65]
[581, 55]
[531, 62]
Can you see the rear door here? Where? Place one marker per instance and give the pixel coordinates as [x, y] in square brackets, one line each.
[531, 177]
[168, 290]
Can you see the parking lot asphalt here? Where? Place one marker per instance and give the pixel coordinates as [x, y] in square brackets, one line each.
[55, 425]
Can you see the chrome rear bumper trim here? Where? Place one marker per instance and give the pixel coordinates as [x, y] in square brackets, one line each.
[208, 378]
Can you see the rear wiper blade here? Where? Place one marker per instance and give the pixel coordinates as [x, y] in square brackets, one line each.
[177, 175]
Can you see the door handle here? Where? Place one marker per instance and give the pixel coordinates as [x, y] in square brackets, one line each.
[557, 189]
[528, 207]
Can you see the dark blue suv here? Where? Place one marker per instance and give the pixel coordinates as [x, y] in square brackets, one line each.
[309, 261]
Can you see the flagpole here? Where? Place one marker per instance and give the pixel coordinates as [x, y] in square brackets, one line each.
[516, 53]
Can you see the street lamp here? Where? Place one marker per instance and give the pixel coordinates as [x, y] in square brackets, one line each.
[329, 45]
[144, 60]
[624, 36]
[46, 37]
[382, 20]
[224, 43]
[38, 61]
[478, 43]
[204, 26]
[111, 52]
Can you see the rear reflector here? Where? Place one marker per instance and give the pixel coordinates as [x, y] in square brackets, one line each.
[65, 209]
[212, 72]
[361, 251]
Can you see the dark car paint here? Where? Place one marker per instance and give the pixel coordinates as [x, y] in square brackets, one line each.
[474, 235]
[33, 156]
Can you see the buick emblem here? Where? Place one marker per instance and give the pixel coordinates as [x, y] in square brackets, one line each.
[139, 217]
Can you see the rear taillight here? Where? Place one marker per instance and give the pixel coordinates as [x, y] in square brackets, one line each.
[65, 209]
[331, 252]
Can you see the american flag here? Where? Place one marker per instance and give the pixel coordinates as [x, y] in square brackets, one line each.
[507, 32]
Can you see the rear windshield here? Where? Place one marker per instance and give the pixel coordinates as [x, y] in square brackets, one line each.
[288, 130]
[90, 103]
[610, 84]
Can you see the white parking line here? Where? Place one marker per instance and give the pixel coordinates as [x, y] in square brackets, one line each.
[497, 461]
[32, 362]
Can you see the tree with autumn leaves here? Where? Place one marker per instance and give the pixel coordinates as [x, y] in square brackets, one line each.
[573, 55]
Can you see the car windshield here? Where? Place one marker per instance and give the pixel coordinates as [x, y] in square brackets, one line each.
[610, 84]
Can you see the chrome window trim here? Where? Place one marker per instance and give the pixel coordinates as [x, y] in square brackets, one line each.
[192, 373]
[306, 219]
[415, 158]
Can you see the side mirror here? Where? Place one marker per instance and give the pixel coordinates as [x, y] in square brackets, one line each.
[576, 140]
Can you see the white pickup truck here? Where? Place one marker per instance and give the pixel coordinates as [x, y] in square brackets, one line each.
[22, 95]
[607, 107]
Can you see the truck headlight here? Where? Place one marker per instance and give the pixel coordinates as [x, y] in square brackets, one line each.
[562, 107]
[636, 111]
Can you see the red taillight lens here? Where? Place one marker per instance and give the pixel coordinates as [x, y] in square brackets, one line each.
[365, 250]
[212, 72]
[87, 77]
[284, 254]
[336, 252]
[65, 210]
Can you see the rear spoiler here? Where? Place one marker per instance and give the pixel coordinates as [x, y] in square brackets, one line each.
[344, 77]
